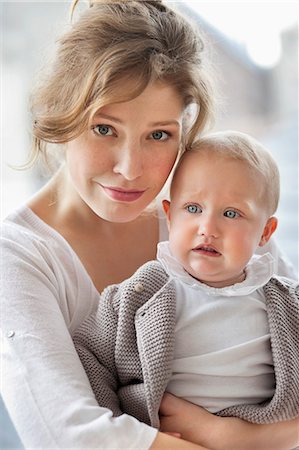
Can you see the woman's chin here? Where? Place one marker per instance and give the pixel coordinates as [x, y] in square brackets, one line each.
[122, 216]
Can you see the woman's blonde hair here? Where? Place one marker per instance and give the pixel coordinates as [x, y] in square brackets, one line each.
[109, 55]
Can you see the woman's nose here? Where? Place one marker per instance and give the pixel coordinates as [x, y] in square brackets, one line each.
[129, 161]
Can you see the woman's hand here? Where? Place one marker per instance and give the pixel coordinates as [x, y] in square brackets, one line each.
[197, 425]
[194, 424]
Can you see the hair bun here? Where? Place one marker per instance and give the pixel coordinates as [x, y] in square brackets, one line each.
[103, 2]
[158, 4]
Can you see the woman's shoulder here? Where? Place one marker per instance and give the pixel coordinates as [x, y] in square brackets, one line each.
[43, 263]
[24, 231]
[23, 220]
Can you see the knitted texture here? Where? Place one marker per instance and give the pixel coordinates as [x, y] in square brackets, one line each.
[127, 347]
[282, 301]
[127, 361]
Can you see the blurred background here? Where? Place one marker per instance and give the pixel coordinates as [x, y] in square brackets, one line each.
[253, 47]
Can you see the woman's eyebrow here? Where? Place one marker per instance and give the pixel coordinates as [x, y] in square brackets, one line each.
[152, 124]
[165, 123]
[107, 116]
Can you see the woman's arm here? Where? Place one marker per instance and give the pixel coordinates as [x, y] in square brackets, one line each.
[166, 442]
[197, 425]
[236, 433]
[43, 383]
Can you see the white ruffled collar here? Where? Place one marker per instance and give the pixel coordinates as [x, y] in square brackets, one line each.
[259, 270]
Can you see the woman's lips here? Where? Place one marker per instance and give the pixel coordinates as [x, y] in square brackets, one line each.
[122, 195]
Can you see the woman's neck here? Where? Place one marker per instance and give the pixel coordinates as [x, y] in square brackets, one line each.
[109, 251]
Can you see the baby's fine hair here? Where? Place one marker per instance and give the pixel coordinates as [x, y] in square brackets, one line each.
[236, 145]
[109, 55]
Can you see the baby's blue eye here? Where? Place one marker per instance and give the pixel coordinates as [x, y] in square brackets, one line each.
[103, 130]
[231, 214]
[160, 135]
[193, 209]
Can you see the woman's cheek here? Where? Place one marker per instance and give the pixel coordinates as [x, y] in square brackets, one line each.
[165, 165]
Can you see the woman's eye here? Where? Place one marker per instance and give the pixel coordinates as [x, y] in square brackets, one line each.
[231, 214]
[159, 135]
[193, 209]
[103, 130]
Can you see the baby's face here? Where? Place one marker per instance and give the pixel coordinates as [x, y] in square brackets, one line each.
[217, 218]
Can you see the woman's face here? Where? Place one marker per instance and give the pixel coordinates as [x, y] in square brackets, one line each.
[119, 165]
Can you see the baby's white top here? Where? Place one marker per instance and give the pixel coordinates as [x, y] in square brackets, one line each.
[222, 339]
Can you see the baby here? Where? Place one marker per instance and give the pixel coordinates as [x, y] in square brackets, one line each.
[208, 321]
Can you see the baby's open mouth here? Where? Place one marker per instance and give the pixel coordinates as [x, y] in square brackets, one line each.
[207, 250]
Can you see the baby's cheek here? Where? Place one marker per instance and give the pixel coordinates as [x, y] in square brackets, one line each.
[177, 245]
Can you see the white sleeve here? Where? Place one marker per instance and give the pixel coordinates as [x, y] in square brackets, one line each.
[283, 267]
[44, 386]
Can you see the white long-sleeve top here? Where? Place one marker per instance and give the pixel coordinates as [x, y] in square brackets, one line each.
[46, 294]
[222, 354]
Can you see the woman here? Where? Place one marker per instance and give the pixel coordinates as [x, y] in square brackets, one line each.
[116, 100]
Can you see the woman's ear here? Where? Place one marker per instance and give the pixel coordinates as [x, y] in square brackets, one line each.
[269, 229]
[166, 207]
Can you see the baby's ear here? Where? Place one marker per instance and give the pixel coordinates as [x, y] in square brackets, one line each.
[166, 207]
[269, 229]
